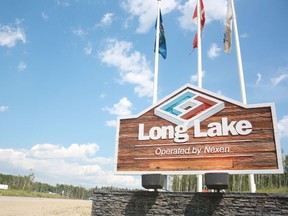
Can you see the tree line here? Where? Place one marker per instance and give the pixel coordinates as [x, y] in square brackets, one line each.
[27, 183]
[237, 183]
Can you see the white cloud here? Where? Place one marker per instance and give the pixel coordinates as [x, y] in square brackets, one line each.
[103, 95]
[10, 35]
[19, 21]
[214, 50]
[88, 49]
[281, 75]
[3, 108]
[259, 77]
[21, 66]
[214, 10]
[120, 109]
[272, 84]
[127, 22]
[146, 11]
[63, 3]
[74, 151]
[219, 92]
[78, 31]
[133, 66]
[45, 16]
[76, 165]
[111, 123]
[194, 77]
[283, 126]
[245, 35]
[276, 80]
[106, 20]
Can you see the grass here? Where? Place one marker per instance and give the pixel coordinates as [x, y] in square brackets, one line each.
[22, 193]
[273, 190]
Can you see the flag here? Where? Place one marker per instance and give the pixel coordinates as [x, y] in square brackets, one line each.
[202, 21]
[162, 40]
[228, 28]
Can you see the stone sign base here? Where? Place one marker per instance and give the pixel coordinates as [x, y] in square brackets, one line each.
[140, 203]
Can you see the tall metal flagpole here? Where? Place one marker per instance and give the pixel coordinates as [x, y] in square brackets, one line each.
[252, 184]
[199, 44]
[199, 15]
[238, 53]
[156, 66]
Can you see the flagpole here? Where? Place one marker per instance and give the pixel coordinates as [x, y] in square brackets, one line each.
[252, 184]
[156, 69]
[199, 61]
[238, 53]
[199, 44]
[156, 64]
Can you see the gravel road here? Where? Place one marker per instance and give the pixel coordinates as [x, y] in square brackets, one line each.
[26, 206]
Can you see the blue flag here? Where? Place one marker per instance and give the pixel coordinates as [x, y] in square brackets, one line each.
[162, 40]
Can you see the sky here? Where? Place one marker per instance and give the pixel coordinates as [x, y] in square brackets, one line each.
[70, 68]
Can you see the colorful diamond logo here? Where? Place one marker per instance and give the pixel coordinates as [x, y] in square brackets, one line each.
[188, 106]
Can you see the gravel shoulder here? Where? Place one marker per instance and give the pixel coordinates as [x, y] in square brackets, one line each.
[27, 206]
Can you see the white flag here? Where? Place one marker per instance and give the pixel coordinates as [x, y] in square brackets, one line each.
[228, 28]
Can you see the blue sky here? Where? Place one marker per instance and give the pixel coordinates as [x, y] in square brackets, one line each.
[69, 68]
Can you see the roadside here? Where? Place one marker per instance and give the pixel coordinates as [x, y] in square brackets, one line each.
[29, 206]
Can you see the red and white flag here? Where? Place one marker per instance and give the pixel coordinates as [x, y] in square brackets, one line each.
[202, 21]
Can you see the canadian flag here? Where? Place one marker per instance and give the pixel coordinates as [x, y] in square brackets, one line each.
[202, 21]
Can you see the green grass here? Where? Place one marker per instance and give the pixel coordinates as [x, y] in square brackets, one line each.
[273, 190]
[22, 193]
[12, 192]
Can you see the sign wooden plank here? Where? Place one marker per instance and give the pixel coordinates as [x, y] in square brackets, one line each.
[195, 131]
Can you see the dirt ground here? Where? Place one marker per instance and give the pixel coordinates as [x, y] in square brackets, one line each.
[26, 206]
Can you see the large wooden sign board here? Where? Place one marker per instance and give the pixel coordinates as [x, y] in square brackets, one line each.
[193, 131]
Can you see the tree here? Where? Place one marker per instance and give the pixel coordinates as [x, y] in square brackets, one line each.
[237, 183]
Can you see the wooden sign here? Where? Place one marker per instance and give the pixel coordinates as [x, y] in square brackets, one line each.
[194, 131]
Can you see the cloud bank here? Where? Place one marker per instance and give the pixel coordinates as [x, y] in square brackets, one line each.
[77, 164]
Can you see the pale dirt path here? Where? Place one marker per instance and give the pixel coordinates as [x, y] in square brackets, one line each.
[26, 206]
